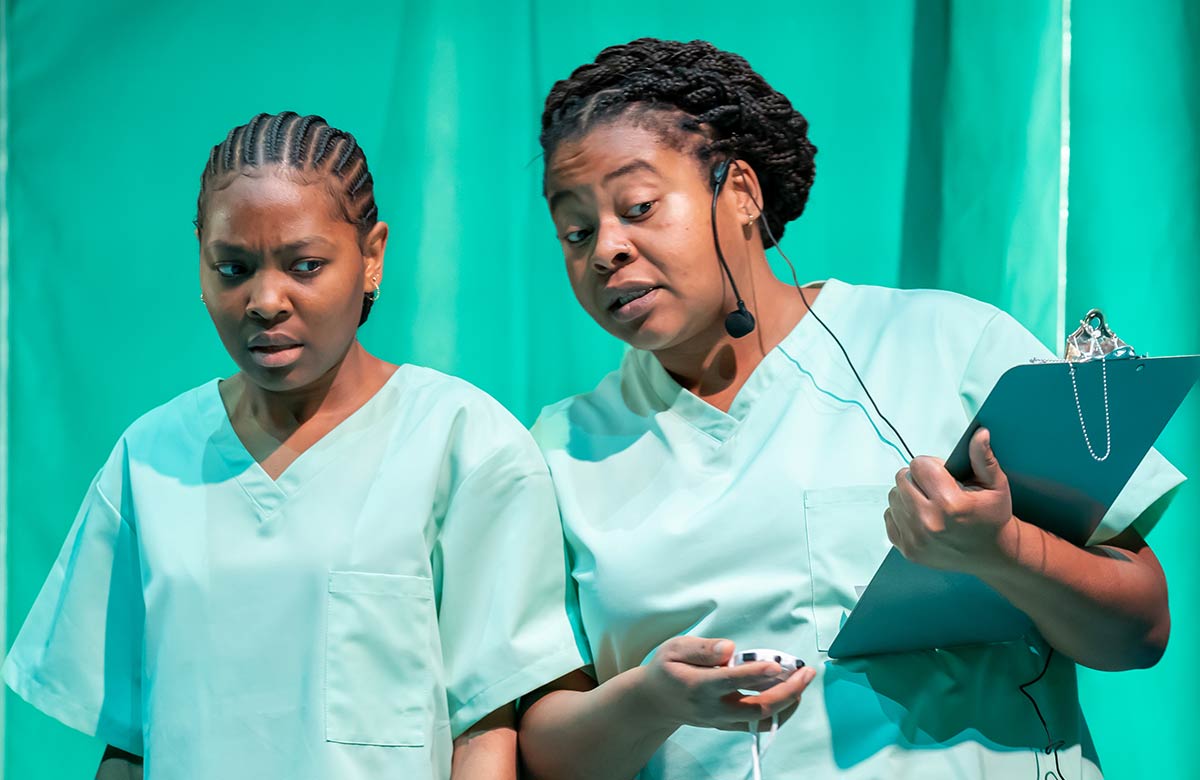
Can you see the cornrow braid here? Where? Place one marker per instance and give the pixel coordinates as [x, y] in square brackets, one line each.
[362, 178]
[305, 144]
[299, 131]
[322, 145]
[693, 89]
[227, 148]
[251, 143]
[348, 150]
[273, 130]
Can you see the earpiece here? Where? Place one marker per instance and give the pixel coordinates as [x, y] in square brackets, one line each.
[720, 173]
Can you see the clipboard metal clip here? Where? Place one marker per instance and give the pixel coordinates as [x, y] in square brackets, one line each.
[1096, 341]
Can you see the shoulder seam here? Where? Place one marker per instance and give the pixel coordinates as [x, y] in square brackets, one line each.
[978, 341]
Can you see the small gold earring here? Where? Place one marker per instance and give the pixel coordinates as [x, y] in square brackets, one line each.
[378, 290]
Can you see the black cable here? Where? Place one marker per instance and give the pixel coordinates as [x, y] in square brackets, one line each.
[1052, 745]
[718, 180]
[763, 221]
[739, 322]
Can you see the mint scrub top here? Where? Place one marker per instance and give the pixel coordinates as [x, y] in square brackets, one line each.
[758, 525]
[401, 579]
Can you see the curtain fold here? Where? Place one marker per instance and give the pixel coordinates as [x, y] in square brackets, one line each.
[938, 124]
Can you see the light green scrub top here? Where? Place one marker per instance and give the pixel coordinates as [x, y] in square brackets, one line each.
[757, 526]
[401, 579]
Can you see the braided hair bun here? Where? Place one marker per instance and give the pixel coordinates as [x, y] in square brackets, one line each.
[721, 98]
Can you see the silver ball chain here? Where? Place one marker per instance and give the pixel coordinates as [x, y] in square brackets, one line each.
[1107, 421]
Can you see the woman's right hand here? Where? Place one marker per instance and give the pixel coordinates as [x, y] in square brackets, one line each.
[688, 682]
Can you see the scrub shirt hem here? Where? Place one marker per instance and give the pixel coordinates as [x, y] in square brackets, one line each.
[25, 684]
[512, 688]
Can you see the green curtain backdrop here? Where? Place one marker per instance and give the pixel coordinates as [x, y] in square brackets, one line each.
[939, 124]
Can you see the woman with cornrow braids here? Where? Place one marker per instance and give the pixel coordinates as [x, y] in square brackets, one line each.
[736, 482]
[325, 566]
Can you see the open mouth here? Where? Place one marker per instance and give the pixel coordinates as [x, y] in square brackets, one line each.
[274, 348]
[275, 355]
[633, 304]
[627, 298]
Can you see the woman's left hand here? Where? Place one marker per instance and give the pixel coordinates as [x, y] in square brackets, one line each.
[935, 521]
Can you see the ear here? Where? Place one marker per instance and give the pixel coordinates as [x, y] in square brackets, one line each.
[747, 195]
[744, 188]
[374, 247]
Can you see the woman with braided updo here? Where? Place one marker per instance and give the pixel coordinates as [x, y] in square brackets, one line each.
[734, 484]
[326, 566]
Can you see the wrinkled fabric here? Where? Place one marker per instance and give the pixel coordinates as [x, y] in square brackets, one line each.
[761, 524]
[401, 579]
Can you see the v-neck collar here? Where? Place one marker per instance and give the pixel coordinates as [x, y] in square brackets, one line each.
[269, 494]
[776, 364]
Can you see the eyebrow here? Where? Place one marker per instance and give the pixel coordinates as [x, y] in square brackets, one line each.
[630, 167]
[291, 246]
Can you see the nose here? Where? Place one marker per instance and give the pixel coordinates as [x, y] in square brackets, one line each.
[268, 299]
[613, 249]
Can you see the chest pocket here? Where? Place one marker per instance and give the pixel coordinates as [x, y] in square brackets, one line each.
[378, 675]
[847, 540]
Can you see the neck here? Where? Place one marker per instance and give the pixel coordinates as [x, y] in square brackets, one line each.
[281, 413]
[712, 364]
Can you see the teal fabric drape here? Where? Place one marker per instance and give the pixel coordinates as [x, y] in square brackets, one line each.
[1134, 250]
[940, 133]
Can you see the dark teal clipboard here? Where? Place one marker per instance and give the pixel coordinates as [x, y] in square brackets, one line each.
[1056, 484]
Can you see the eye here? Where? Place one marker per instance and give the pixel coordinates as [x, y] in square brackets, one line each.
[229, 270]
[308, 266]
[639, 210]
[577, 236]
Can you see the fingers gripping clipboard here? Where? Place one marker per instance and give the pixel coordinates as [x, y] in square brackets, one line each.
[1061, 480]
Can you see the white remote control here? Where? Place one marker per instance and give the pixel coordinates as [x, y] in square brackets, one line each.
[788, 662]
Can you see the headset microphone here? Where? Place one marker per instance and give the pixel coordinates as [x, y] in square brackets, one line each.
[740, 322]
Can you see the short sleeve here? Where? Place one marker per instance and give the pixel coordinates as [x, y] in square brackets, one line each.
[502, 610]
[78, 656]
[551, 432]
[1004, 343]
[1143, 500]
